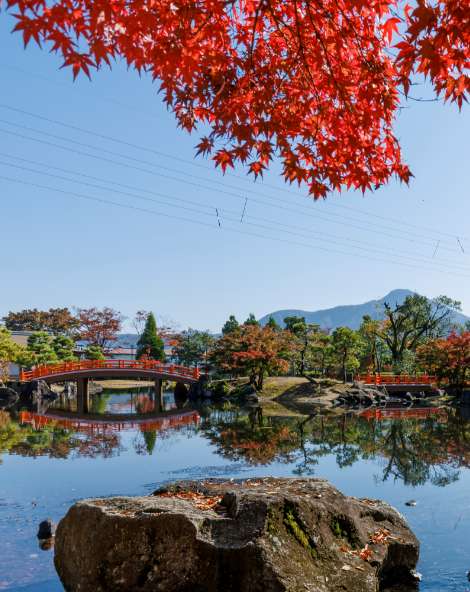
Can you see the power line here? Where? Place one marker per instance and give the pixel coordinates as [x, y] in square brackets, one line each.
[290, 209]
[265, 220]
[244, 210]
[80, 129]
[191, 220]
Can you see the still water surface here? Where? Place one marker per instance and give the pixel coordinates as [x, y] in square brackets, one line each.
[46, 465]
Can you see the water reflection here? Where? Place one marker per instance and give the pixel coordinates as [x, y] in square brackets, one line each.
[32, 434]
[129, 401]
[121, 453]
[415, 446]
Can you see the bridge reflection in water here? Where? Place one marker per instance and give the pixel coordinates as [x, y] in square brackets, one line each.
[110, 424]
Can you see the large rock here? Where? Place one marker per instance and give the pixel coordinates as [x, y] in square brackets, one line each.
[261, 535]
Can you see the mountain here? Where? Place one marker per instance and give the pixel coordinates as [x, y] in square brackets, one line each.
[126, 340]
[348, 315]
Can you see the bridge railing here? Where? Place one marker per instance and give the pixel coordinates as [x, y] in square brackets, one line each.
[378, 379]
[83, 365]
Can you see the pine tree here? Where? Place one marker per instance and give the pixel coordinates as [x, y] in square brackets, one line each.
[272, 324]
[150, 343]
[251, 320]
[230, 325]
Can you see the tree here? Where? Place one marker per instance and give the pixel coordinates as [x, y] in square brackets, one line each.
[41, 348]
[55, 320]
[316, 83]
[192, 347]
[304, 332]
[150, 344]
[253, 350]
[448, 358]
[10, 352]
[99, 327]
[64, 348]
[94, 352]
[231, 325]
[346, 344]
[251, 320]
[320, 354]
[272, 324]
[375, 349]
[408, 324]
[139, 320]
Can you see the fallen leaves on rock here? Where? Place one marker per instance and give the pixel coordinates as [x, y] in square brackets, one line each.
[381, 537]
[201, 501]
[365, 553]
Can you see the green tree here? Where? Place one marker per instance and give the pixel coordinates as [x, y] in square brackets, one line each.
[376, 351]
[192, 348]
[411, 323]
[251, 320]
[63, 347]
[231, 325]
[272, 324]
[305, 334]
[320, 354]
[41, 347]
[150, 343]
[94, 352]
[10, 352]
[347, 345]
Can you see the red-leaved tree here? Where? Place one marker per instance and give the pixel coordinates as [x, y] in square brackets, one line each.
[255, 351]
[448, 358]
[314, 82]
[99, 327]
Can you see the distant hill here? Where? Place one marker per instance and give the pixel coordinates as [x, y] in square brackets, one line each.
[348, 315]
[127, 340]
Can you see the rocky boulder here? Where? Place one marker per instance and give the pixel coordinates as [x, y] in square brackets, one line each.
[260, 535]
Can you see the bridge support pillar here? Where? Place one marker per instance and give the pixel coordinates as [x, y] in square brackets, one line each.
[83, 396]
[158, 395]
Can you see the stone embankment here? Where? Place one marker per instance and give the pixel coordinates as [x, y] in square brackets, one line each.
[260, 535]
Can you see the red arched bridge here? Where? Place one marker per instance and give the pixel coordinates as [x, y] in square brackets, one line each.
[151, 369]
[84, 370]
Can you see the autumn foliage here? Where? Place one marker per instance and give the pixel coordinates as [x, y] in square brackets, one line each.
[255, 351]
[99, 327]
[448, 358]
[314, 82]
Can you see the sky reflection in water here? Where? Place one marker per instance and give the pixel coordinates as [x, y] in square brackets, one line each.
[46, 466]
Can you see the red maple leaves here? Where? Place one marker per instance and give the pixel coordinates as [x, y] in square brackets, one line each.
[448, 358]
[314, 82]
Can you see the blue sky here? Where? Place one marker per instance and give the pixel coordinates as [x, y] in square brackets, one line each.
[171, 256]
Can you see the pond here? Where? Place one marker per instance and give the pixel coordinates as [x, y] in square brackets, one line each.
[47, 462]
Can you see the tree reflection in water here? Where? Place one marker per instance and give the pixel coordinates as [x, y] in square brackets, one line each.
[430, 447]
[415, 446]
[31, 434]
[52, 440]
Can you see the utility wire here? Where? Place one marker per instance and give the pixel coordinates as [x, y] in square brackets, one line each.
[191, 220]
[290, 209]
[265, 220]
[149, 150]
